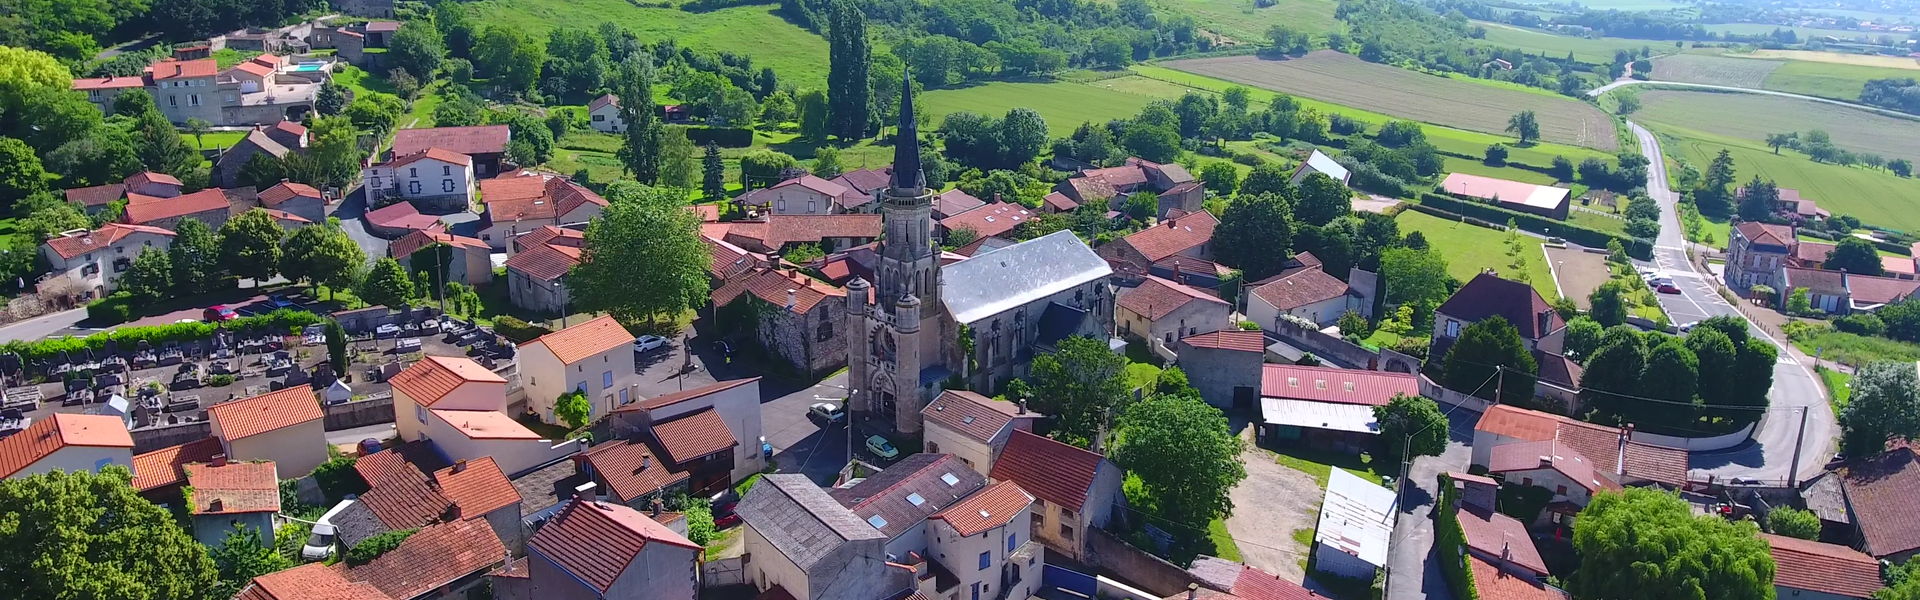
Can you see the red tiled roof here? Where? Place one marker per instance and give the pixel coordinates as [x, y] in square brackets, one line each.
[971, 414]
[1229, 339]
[383, 26]
[1596, 442]
[1173, 236]
[546, 234]
[1156, 298]
[683, 396]
[281, 215]
[1118, 177]
[253, 68]
[986, 509]
[236, 487]
[513, 187]
[70, 246]
[1092, 190]
[729, 260]
[604, 100]
[417, 240]
[439, 154]
[1056, 472]
[291, 127]
[1766, 233]
[545, 262]
[1879, 290]
[406, 499]
[311, 581]
[1880, 490]
[1496, 534]
[410, 456]
[1302, 287]
[1527, 456]
[779, 230]
[434, 557]
[287, 190]
[771, 285]
[170, 69]
[1812, 253]
[1494, 584]
[954, 201]
[479, 139]
[271, 411]
[59, 430]
[865, 181]
[693, 436]
[1255, 584]
[584, 341]
[816, 184]
[989, 220]
[99, 195]
[164, 467]
[597, 541]
[402, 215]
[478, 489]
[517, 198]
[1344, 386]
[1060, 202]
[619, 463]
[141, 209]
[1489, 295]
[1826, 568]
[708, 212]
[485, 425]
[431, 379]
[108, 83]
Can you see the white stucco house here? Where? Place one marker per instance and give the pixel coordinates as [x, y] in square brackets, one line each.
[595, 357]
[66, 442]
[94, 260]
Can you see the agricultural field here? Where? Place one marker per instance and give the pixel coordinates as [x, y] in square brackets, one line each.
[1714, 70]
[1598, 51]
[796, 54]
[1763, 28]
[1065, 105]
[1625, 5]
[1829, 80]
[1469, 249]
[1876, 197]
[1346, 80]
[1889, 62]
[1241, 21]
[1753, 116]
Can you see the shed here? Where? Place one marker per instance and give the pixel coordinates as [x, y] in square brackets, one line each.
[339, 392]
[1356, 525]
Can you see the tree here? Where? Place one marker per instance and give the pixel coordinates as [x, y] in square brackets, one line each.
[1414, 276]
[1319, 200]
[1856, 256]
[387, 285]
[1079, 382]
[1415, 416]
[813, 111]
[849, 59]
[1483, 348]
[21, 173]
[1629, 104]
[1901, 167]
[417, 47]
[510, 57]
[1496, 155]
[1524, 126]
[678, 161]
[262, 171]
[1718, 360]
[713, 178]
[699, 515]
[330, 100]
[1758, 199]
[323, 255]
[761, 168]
[337, 357]
[1798, 302]
[194, 256]
[83, 534]
[1884, 405]
[1268, 178]
[1023, 135]
[160, 148]
[1608, 303]
[1794, 523]
[1185, 456]
[643, 257]
[826, 163]
[1220, 178]
[573, 409]
[1583, 337]
[150, 279]
[1352, 324]
[776, 109]
[250, 245]
[1141, 206]
[1776, 140]
[376, 112]
[1647, 543]
[1250, 232]
[1672, 374]
[1562, 169]
[243, 556]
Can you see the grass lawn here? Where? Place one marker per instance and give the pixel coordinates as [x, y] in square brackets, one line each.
[1223, 545]
[1839, 386]
[1141, 375]
[1319, 465]
[1600, 222]
[213, 139]
[1065, 105]
[1856, 350]
[796, 54]
[1472, 248]
[1828, 80]
[1753, 117]
[1598, 51]
[1381, 339]
[1876, 197]
[1456, 164]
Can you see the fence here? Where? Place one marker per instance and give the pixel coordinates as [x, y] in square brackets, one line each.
[723, 572]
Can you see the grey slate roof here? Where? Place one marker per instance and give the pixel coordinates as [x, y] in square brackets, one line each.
[356, 523]
[1017, 275]
[800, 519]
[885, 494]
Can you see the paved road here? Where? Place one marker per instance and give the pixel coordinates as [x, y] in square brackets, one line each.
[42, 326]
[1415, 574]
[352, 212]
[1619, 83]
[1768, 456]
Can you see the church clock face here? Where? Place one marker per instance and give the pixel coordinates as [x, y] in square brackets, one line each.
[883, 345]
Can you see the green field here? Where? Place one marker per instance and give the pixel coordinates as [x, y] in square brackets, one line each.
[1470, 249]
[1762, 29]
[1830, 80]
[1625, 5]
[1597, 51]
[1876, 197]
[797, 55]
[1239, 20]
[1754, 116]
[213, 139]
[1065, 105]
[1714, 70]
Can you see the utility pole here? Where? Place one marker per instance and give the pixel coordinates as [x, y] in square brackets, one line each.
[1793, 470]
[1499, 382]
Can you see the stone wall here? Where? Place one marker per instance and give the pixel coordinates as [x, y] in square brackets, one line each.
[1216, 372]
[1116, 558]
[359, 414]
[148, 439]
[1326, 347]
[796, 337]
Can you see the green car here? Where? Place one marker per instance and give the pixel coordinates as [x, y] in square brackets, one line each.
[880, 447]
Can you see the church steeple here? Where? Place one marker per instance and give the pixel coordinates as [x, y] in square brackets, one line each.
[908, 178]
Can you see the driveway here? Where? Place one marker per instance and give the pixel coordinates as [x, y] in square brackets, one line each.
[1578, 272]
[1269, 505]
[352, 212]
[1412, 572]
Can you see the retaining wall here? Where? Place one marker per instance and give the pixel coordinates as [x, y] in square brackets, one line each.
[148, 439]
[1114, 556]
[359, 414]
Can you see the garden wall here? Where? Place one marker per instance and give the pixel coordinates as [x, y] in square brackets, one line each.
[359, 414]
[148, 439]
[1115, 556]
[1698, 444]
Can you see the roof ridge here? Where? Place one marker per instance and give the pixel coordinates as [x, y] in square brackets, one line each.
[902, 481]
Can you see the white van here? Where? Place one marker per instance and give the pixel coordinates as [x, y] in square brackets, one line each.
[320, 545]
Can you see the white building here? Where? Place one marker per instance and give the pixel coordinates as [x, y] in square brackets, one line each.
[986, 541]
[595, 357]
[1306, 292]
[1356, 525]
[604, 115]
[443, 383]
[94, 260]
[66, 442]
[434, 179]
[1319, 162]
[804, 195]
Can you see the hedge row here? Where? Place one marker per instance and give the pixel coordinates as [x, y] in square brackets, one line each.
[1450, 545]
[1592, 238]
[517, 330]
[726, 137]
[284, 320]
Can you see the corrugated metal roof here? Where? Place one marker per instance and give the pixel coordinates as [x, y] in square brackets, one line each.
[1356, 518]
[1017, 275]
[1357, 418]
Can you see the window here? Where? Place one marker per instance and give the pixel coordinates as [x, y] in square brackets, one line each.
[782, 204]
[625, 399]
[413, 187]
[1013, 540]
[826, 330]
[1526, 481]
[933, 448]
[599, 118]
[986, 560]
[193, 99]
[1066, 514]
[1560, 490]
[446, 185]
[446, 169]
[420, 413]
[582, 387]
[413, 172]
[810, 207]
[173, 100]
[1453, 328]
[1066, 531]
[606, 380]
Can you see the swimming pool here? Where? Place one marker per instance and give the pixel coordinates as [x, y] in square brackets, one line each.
[309, 67]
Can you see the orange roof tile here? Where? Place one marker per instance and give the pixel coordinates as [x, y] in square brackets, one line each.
[1229, 339]
[417, 240]
[693, 436]
[477, 488]
[236, 487]
[545, 262]
[1599, 443]
[596, 541]
[971, 414]
[164, 467]
[413, 456]
[141, 209]
[108, 83]
[407, 499]
[986, 509]
[1055, 472]
[545, 234]
[1156, 298]
[989, 220]
[485, 425]
[272, 411]
[70, 246]
[311, 581]
[584, 341]
[287, 190]
[431, 379]
[1494, 584]
[434, 557]
[253, 68]
[1825, 568]
[480, 139]
[145, 177]
[281, 215]
[631, 468]
[771, 285]
[439, 154]
[1173, 236]
[171, 69]
[59, 430]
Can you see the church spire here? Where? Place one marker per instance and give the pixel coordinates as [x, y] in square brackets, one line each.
[908, 178]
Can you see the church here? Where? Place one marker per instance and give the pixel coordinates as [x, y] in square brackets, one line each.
[921, 327]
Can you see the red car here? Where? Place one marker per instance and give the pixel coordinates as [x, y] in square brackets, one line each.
[220, 312]
[726, 521]
[1668, 288]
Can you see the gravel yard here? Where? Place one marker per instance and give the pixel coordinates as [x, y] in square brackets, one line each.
[1269, 505]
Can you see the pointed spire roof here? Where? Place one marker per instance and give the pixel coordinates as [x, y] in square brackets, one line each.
[907, 175]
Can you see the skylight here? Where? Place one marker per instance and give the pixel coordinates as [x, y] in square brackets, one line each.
[877, 521]
[950, 479]
[915, 499]
[968, 420]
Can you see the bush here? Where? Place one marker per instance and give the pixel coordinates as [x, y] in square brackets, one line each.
[371, 548]
[725, 137]
[699, 522]
[517, 330]
[111, 310]
[286, 321]
[1482, 212]
[1451, 545]
[1862, 324]
[220, 379]
[743, 487]
[337, 478]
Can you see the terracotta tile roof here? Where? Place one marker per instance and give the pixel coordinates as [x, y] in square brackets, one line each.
[971, 414]
[478, 489]
[163, 467]
[1118, 177]
[71, 246]
[1302, 287]
[708, 212]
[986, 509]
[485, 425]
[1559, 370]
[1156, 298]
[311, 581]
[439, 154]
[771, 285]
[620, 464]
[172, 69]
[406, 499]
[417, 240]
[584, 341]
[1879, 489]
[1091, 190]
[1344, 386]
[513, 187]
[1496, 534]
[865, 181]
[291, 127]
[1863, 289]
[253, 68]
[1229, 339]
[1596, 442]
[989, 220]
[954, 201]
[59, 430]
[693, 436]
[434, 557]
[1780, 236]
[545, 262]
[480, 139]
[287, 190]
[1812, 253]
[568, 196]
[548, 234]
[1494, 584]
[143, 178]
[779, 230]
[281, 215]
[402, 215]
[683, 396]
[416, 456]
[99, 195]
[383, 26]
[728, 259]
[108, 83]
[1180, 189]
[1897, 264]
[604, 100]
[1488, 295]
[1173, 236]
[144, 209]
[1570, 463]
[431, 379]
[517, 198]
[1255, 584]
[597, 541]
[1826, 568]
[237, 487]
[248, 417]
[1060, 202]
[1056, 472]
[516, 570]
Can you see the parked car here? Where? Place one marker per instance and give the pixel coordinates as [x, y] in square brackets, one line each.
[369, 446]
[1668, 288]
[1688, 326]
[277, 302]
[827, 412]
[220, 312]
[726, 521]
[648, 343]
[880, 447]
[320, 545]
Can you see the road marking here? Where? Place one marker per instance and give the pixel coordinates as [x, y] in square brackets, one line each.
[1670, 248]
[1786, 359]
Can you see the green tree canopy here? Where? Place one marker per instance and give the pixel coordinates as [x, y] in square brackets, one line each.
[1185, 456]
[1415, 276]
[387, 284]
[1320, 200]
[1647, 544]
[250, 245]
[194, 256]
[418, 47]
[150, 279]
[1080, 383]
[644, 257]
[323, 255]
[1416, 416]
[573, 409]
[243, 556]
[1251, 232]
[1608, 303]
[1794, 523]
[1856, 256]
[1884, 405]
[1583, 337]
[1476, 356]
[88, 535]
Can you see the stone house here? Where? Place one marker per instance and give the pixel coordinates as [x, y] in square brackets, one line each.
[538, 268]
[591, 550]
[603, 114]
[1306, 292]
[377, 9]
[1613, 452]
[1189, 235]
[955, 201]
[286, 427]
[1224, 366]
[1755, 252]
[297, 199]
[210, 206]
[1029, 297]
[435, 180]
[1559, 468]
[229, 494]
[94, 199]
[1839, 292]
[556, 363]
[971, 427]
[794, 316]
[803, 542]
[517, 204]
[102, 91]
[185, 89]
[66, 442]
[1076, 489]
[1161, 311]
[1488, 295]
[865, 186]
[485, 144]
[1112, 185]
[467, 260]
[277, 141]
[94, 260]
[804, 195]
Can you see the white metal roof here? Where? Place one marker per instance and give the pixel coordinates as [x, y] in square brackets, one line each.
[1356, 518]
[1319, 161]
[1014, 276]
[1357, 418]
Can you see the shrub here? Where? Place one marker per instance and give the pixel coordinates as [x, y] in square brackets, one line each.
[1863, 324]
[219, 380]
[743, 487]
[1451, 544]
[699, 522]
[517, 330]
[286, 321]
[337, 478]
[371, 548]
[111, 310]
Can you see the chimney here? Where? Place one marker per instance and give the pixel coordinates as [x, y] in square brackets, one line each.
[1169, 223]
[657, 504]
[1193, 590]
[996, 197]
[646, 461]
[1546, 462]
[460, 465]
[1023, 406]
[219, 460]
[791, 299]
[214, 505]
[585, 491]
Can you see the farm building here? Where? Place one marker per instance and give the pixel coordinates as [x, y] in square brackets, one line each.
[1543, 200]
[1326, 408]
[1356, 524]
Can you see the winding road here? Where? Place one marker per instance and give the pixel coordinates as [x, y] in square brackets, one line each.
[1768, 456]
[1623, 82]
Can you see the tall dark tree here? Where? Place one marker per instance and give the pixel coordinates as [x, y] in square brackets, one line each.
[1715, 195]
[1856, 256]
[640, 143]
[713, 175]
[195, 257]
[1758, 199]
[1485, 348]
[849, 93]
[1251, 231]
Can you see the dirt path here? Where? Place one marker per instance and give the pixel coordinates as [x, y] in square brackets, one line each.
[1269, 506]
